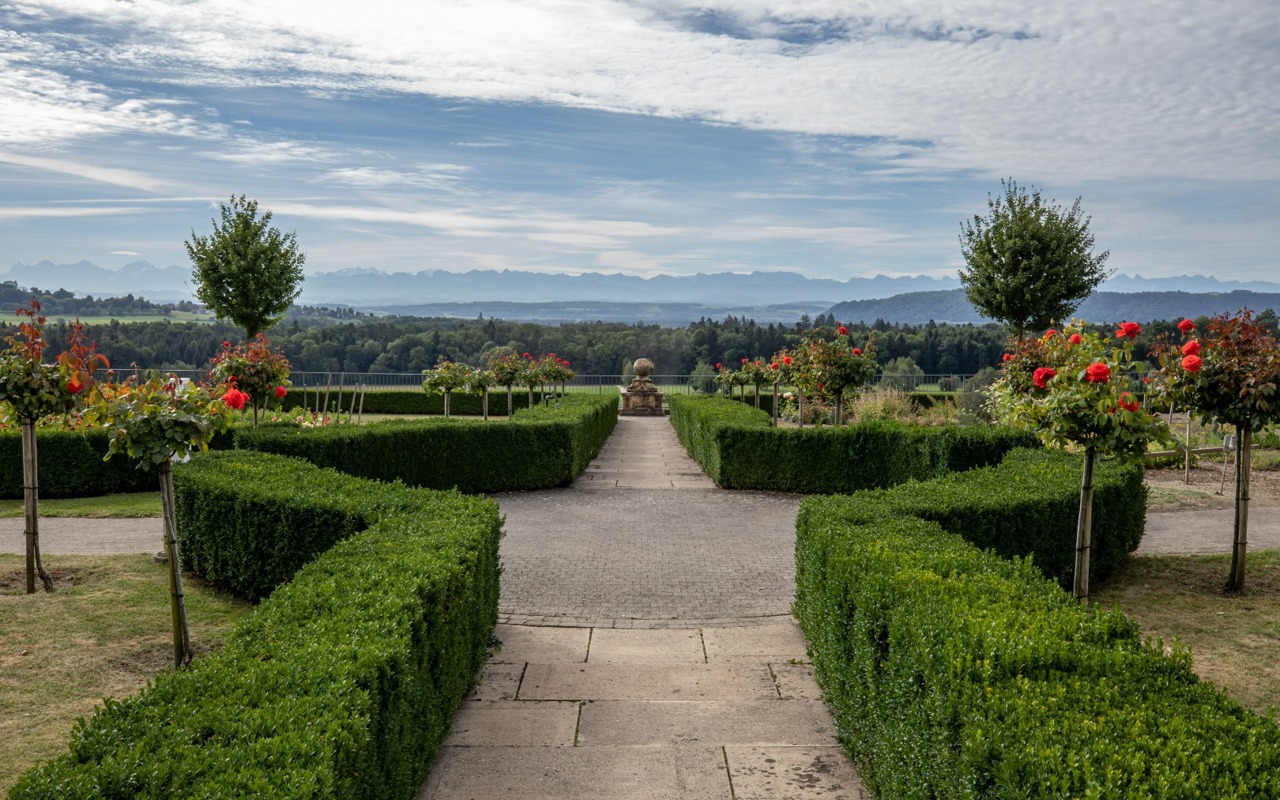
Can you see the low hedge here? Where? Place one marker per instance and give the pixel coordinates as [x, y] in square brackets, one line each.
[953, 672]
[921, 399]
[739, 449]
[341, 684]
[537, 448]
[410, 401]
[71, 465]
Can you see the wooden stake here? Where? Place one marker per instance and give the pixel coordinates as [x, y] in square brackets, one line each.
[1240, 545]
[31, 500]
[1084, 529]
[360, 413]
[177, 604]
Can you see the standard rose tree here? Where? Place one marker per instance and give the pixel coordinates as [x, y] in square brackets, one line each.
[1076, 390]
[257, 371]
[1229, 375]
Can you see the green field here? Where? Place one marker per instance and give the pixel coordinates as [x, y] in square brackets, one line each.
[172, 316]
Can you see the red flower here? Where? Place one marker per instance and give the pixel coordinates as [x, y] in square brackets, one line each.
[226, 344]
[1075, 339]
[566, 363]
[842, 331]
[857, 351]
[757, 363]
[786, 360]
[235, 398]
[773, 365]
[1042, 376]
[718, 365]
[1008, 356]
[1097, 372]
[1049, 334]
[744, 361]
[74, 386]
[280, 392]
[1129, 329]
[1128, 403]
[1192, 363]
[1186, 326]
[526, 355]
[1191, 348]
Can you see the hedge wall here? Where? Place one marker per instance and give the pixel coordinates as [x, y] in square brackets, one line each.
[538, 448]
[953, 672]
[341, 684]
[738, 449]
[921, 399]
[71, 465]
[410, 401]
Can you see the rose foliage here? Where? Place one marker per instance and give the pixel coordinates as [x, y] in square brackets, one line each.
[158, 418]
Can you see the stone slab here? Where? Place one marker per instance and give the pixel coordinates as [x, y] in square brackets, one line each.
[760, 722]
[523, 643]
[514, 724]
[796, 682]
[772, 642]
[646, 682]
[576, 773]
[620, 646]
[792, 773]
[497, 682]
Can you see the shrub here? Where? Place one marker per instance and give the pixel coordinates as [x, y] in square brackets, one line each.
[953, 672]
[341, 684]
[538, 448]
[416, 401]
[71, 465]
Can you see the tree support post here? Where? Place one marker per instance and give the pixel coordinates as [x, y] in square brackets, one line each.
[177, 604]
[31, 499]
[1084, 529]
[1240, 545]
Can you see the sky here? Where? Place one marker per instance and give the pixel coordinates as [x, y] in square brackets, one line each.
[833, 138]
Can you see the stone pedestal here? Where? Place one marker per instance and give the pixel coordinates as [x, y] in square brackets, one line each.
[642, 398]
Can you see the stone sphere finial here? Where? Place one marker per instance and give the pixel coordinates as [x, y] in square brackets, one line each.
[643, 367]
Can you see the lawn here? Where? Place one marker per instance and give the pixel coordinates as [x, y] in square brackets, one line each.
[133, 504]
[103, 632]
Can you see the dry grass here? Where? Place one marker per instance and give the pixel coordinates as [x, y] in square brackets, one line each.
[103, 632]
[1234, 640]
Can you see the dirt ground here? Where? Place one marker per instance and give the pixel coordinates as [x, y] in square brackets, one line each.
[1170, 492]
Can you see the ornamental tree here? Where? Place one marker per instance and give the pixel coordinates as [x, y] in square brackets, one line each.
[34, 389]
[256, 370]
[445, 378]
[505, 369]
[830, 367]
[246, 271]
[1076, 390]
[1029, 263]
[154, 421]
[1229, 375]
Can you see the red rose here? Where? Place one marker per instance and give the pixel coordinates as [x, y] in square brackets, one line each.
[226, 344]
[1186, 326]
[773, 366]
[74, 386]
[1042, 376]
[235, 398]
[1049, 333]
[1097, 372]
[1192, 363]
[566, 363]
[842, 330]
[1128, 403]
[280, 392]
[786, 360]
[1129, 329]
[718, 365]
[857, 351]
[1191, 348]
[757, 363]
[526, 355]
[744, 361]
[1075, 339]
[1008, 356]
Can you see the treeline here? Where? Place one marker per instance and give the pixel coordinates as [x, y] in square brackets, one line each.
[412, 344]
[64, 302]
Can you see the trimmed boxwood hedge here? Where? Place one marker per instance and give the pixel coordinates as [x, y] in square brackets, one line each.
[71, 465]
[739, 449]
[954, 672]
[410, 401]
[342, 683]
[537, 448]
[921, 399]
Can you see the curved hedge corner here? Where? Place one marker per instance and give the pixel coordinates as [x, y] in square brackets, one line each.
[416, 401]
[739, 449]
[954, 672]
[342, 683]
[537, 448]
[71, 465]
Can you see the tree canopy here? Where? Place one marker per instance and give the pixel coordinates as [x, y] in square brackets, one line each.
[1029, 263]
[246, 271]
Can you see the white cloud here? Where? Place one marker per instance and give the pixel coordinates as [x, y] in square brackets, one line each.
[61, 212]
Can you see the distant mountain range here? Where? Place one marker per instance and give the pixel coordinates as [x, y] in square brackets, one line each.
[952, 306]
[662, 299]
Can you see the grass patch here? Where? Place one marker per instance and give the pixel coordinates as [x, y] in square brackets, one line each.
[107, 319]
[133, 504]
[103, 632]
[1167, 498]
[1234, 640]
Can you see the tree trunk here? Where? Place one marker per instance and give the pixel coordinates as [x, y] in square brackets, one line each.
[1244, 444]
[177, 604]
[31, 499]
[510, 402]
[1084, 529]
[446, 403]
[484, 402]
[775, 405]
[800, 404]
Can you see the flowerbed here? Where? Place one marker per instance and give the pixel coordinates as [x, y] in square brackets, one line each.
[954, 672]
[401, 401]
[343, 682]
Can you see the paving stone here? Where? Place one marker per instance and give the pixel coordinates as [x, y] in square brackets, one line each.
[796, 681]
[646, 682]
[760, 722]
[514, 724]
[653, 646]
[497, 682]
[792, 773]
[774, 643]
[521, 643]
[575, 773]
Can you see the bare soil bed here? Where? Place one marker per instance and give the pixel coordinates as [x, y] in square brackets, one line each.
[1170, 492]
